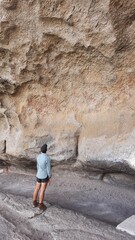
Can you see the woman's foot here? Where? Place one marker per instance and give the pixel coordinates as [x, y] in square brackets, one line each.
[35, 204]
[41, 206]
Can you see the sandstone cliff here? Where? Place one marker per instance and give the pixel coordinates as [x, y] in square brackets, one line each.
[67, 77]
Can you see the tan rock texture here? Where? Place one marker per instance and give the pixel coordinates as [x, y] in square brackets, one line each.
[67, 77]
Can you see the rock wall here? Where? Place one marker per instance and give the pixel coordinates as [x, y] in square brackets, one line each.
[67, 77]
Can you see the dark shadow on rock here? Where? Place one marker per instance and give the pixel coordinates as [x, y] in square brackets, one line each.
[18, 162]
[4, 163]
[105, 166]
[122, 14]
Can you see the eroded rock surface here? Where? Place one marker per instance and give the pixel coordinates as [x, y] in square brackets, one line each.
[67, 77]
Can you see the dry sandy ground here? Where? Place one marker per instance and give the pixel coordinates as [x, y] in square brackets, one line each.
[78, 208]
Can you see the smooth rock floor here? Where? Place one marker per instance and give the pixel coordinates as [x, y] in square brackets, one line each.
[78, 208]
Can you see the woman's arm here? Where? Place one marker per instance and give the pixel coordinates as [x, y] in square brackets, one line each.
[49, 172]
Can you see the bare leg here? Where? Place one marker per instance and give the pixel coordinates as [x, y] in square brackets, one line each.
[36, 190]
[42, 192]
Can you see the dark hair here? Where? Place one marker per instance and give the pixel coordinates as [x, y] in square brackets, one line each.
[44, 148]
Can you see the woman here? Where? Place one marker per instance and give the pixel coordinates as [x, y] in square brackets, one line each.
[43, 177]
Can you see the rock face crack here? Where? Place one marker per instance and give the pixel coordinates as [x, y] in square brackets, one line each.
[4, 150]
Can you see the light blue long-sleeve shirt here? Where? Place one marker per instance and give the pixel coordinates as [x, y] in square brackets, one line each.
[43, 166]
